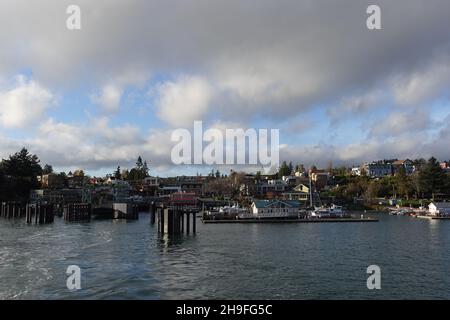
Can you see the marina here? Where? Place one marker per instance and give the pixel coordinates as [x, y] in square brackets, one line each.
[317, 220]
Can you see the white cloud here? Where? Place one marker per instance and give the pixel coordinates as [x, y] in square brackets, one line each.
[424, 84]
[109, 98]
[183, 101]
[357, 104]
[96, 144]
[23, 104]
[401, 123]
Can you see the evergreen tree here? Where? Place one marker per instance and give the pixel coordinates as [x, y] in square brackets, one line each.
[47, 169]
[19, 175]
[284, 170]
[432, 179]
[117, 173]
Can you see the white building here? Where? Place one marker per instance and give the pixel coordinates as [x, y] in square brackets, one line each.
[275, 208]
[439, 208]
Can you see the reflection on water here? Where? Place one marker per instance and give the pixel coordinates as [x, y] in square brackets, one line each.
[130, 260]
[166, 241]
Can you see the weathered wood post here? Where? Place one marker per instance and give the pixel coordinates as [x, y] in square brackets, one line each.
[188, 217]
[152, 212]
[182, 222]
[194, 222]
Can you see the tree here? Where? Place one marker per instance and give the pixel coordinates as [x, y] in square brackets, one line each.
[22, 164]
[139, 164]
[300, 168]
[117, 173]
[47, 169]
[19, 175]
[125, 174]
[78, 173]
[373, 190]
[284, 170]
[140, 171]
[432, 178]
[403, 183]
[145, 169]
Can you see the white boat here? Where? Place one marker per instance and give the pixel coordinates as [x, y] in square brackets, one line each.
[227, 211]
[328, 212]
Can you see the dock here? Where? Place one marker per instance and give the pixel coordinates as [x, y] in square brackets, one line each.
[318, 220]
[433, 218]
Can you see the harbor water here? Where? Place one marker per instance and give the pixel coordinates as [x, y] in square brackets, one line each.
[129, 260]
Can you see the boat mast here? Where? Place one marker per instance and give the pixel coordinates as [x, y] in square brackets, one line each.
[310, 192]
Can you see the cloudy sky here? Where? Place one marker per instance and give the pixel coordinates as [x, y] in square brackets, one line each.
[98, 97]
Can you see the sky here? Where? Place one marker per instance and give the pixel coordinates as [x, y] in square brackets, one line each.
[99, 97]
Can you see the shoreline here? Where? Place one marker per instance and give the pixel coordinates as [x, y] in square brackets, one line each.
[324, 220]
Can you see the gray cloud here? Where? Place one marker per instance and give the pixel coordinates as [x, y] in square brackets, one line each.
[273, 59]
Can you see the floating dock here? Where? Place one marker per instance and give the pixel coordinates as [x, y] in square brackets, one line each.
[318, 220]
[433, 218]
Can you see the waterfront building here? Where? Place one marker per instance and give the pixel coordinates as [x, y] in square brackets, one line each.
[299, 193]
[167, 190]
[52, 181]
[183, 199]
[56, 196]
[439, 209]
[266, 188]
[150, 185]
[275, 208]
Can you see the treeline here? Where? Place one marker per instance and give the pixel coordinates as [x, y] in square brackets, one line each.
[428, 182]
[139, 172]
[18, 175]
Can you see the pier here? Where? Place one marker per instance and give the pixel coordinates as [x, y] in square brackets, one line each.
[39, 213]
[77, 212]
[10, 210]
[175, 221]
[433, 217]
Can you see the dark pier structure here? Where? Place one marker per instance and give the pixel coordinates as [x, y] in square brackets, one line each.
[77, 212]
[12, 210]
[174, 217]
[39, 213]
[175, 220]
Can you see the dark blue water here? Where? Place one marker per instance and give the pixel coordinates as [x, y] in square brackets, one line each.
[128, 260]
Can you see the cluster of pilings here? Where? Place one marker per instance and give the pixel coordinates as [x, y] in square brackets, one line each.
[128, 212]
[12, 210]
[77, 212]
[39, 213]
[174, 221]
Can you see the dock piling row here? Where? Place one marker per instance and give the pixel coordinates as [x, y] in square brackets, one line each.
[39, 213]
